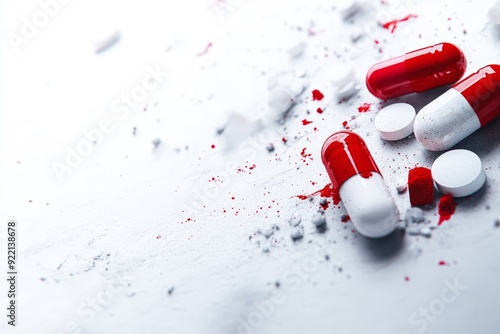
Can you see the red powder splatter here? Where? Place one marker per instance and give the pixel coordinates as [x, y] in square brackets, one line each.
[212, 146]
[209, 45]
[364, 107]
[317, 95]
[420, 186]
[305, 122]
[392, 25]
[442, 263]
[327, 191]
[446, 208]
[319, 111]
[324, 205]
[345, 218]
[252, 167]
[344, 124]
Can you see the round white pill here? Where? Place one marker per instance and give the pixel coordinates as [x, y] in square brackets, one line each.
[395, 122]
[494, 13]
[458, 172]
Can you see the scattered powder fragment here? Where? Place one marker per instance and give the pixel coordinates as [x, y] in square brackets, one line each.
[324, 203]
[298, 233]
[413, 229]
[267, 233]
[295, 219]
[392, 25]
[270, 148]
[426, 232]
[317, 95]
[319, 218]
[401, 187]
[209, 45]
[365, 107]
[306, 122]
[284, 140]
[497, 223]
[414, 215]
[156, 142]
[345, 218]
[170, 291]
[446, 208]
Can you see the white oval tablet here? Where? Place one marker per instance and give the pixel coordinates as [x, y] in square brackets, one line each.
[395, 122]
[458, 173]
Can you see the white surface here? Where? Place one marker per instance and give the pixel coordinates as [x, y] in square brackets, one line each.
[367, 201]
[446, 121]
[124, 194]
[494, 13]
[459, 173]
[395, 121]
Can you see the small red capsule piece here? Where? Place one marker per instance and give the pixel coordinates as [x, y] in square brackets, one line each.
[417, 71]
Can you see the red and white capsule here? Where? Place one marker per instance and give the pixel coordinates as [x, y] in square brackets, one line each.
[416, 71]
[467, 106]
[359, 183]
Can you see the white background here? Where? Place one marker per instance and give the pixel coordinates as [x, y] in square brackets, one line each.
[100, 247]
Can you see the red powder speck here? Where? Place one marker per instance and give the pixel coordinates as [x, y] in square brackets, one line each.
[344, 124]
[376, 41]
[345, 218]
[327, 191]
[442, 263]
[305, 122]
[212, 146]
[209, 45]
[319, 111]
[284, 139]
[407, 278]
[317, 95]
[158, 237]
[392, 25]
[232, 198]
[252, 167]
[324, 205]
[446, 208]
[364, 107]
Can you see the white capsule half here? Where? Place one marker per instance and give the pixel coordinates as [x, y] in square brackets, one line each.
[370, 206]
[445, 121]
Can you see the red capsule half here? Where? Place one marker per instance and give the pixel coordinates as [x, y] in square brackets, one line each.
[417, 71]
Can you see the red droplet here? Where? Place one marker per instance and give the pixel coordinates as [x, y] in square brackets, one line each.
[317, 95]
[305, 122]
[212, 146]
[446, 208]
[364, 107]
[392, 25]
[327, 191]
[284, 140]
[407, 278]
[320, 111]
[442, 263]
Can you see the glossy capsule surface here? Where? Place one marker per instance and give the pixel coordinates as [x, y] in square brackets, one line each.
[467, 106]
[359, 183]
[417, 71]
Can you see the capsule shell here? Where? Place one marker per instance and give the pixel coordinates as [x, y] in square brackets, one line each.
[357, 179]
[417, 71]
[467, 106]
